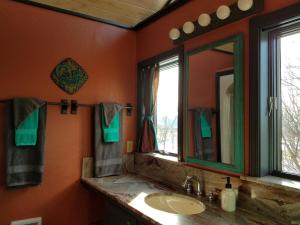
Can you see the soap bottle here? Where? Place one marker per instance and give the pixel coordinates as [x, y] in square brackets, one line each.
[228, 197]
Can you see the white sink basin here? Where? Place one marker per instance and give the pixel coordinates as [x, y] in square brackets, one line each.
[174, 203]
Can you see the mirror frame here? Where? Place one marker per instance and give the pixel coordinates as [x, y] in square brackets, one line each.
[238, 166]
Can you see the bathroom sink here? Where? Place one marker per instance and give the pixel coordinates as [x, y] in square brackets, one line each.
[174, 203]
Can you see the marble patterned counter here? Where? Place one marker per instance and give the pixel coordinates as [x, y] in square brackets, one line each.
[130, 191]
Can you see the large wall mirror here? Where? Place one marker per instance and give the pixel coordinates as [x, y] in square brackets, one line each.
[214, 105]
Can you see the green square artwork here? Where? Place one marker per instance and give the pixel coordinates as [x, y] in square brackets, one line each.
[69, 76]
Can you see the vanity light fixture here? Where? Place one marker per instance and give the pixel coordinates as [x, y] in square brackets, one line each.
[223, 12]
[204, 20]
[188, 27]
[245, 5]
[174, 34]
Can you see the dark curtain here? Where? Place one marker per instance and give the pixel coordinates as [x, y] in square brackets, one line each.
[148, 86]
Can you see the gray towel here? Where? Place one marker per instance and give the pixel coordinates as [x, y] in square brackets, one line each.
[108, 156]
[203, 146]
[24, 164]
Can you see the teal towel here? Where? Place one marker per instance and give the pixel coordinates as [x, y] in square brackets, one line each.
[205, 127]
[26, 132]
[111, 133]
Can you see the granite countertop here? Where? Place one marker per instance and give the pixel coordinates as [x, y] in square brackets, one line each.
[130, 191]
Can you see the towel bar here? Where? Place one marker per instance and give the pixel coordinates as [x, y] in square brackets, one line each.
[64, 104]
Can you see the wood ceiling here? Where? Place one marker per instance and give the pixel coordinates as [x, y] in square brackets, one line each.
[123, 13]
[227, 48]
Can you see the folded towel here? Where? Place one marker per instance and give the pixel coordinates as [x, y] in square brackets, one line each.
[110, 122]
[26, 132]
[205, 126]
[203, 137]
[24, 164]
[108, 156]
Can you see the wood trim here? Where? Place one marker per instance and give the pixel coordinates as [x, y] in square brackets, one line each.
[180, 104]
[286, 175]
[236, 15]
[156, 59]
[164, 11]
[259, 27]
[72, 13]
[160, 57]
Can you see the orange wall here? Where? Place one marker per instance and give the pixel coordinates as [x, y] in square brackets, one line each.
[154, 39]
[32, 42]
[203, 67]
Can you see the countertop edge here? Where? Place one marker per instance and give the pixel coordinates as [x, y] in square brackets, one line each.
[87, 182]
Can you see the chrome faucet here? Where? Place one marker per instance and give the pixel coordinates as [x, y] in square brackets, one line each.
[188, 185]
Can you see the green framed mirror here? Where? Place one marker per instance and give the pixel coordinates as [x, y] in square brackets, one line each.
[214, 107]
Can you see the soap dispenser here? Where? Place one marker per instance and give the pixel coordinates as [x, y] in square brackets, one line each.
[228, 197]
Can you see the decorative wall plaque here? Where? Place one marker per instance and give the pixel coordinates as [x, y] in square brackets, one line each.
[69, 76]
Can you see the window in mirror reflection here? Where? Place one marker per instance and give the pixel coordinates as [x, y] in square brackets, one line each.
[210, 104]
[167, 106]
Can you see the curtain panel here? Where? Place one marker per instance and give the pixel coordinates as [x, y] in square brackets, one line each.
[148, 81]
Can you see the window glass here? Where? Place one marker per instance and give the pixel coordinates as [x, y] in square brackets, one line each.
[290, 103]
[167, 107]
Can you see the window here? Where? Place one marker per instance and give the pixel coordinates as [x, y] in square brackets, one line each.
[275, 94]
[284, 100]
[165, 120]
[167, 106]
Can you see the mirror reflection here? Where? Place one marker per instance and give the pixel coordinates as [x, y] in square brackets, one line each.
[211, 104]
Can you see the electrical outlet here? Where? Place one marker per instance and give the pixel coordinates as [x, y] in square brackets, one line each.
[129, 146]
[31, 221]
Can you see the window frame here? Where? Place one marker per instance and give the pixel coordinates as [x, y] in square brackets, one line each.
[264, 157]
[275, 90]
[178, 51]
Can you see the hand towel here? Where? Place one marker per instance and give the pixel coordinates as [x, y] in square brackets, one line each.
[205, 126]
[110, 122]
[24, 164]
[26, 132]
[202, 138]
[108, 156]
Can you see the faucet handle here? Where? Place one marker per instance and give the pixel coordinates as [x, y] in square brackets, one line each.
[189, 187]
[187, 184]
[186, 181]
[214, 195]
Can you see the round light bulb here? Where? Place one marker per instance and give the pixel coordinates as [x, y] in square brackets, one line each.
[204, 20]
[174, 34]
[223, 12]
[188, 27]
[245, 5]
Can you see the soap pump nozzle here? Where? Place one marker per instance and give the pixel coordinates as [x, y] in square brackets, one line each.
[228, 184]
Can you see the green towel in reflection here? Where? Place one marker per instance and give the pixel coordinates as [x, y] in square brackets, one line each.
[205, 127]
[111, 133]
[26, 132]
